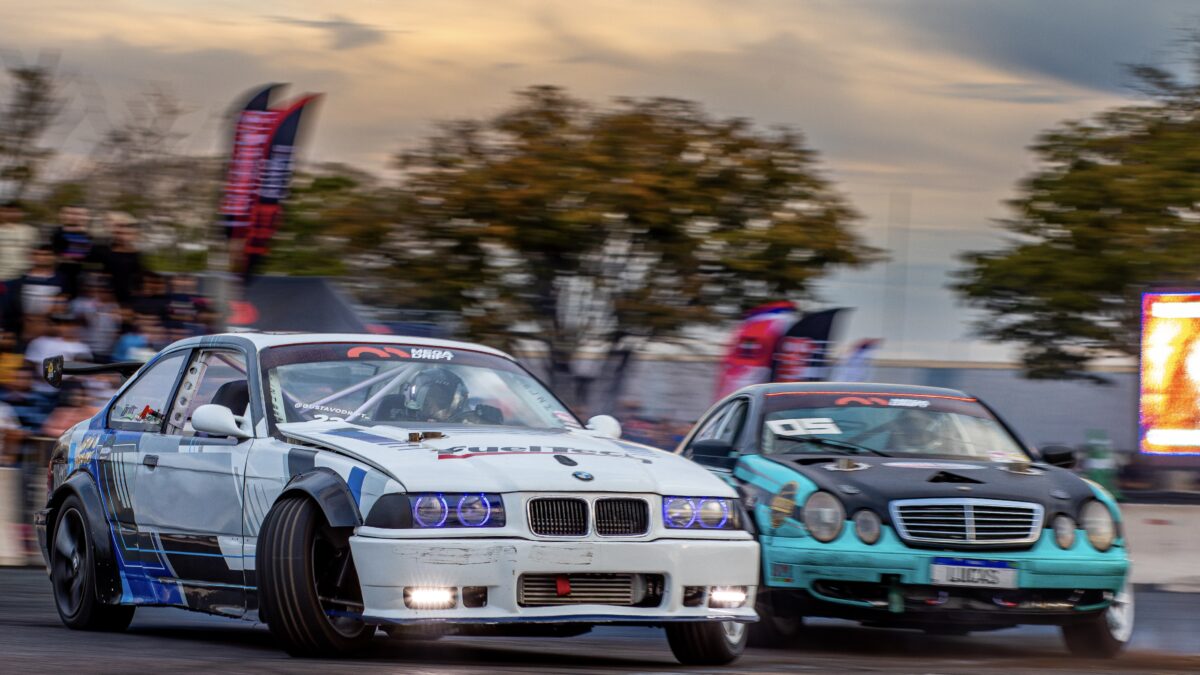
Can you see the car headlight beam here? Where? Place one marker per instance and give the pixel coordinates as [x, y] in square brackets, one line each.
[438, 510]
[1099, 524]
[867, 526]
[824, 516]
[707, 513]
[1064, 531]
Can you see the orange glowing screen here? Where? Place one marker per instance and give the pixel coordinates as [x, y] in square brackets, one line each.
[1169, 395]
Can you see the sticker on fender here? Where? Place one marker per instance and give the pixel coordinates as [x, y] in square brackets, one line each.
[974, 573]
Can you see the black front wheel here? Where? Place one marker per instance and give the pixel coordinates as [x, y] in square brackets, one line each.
[1103, 635]
[308, 588]
[73, 575]
[709, 643]
[780, 623]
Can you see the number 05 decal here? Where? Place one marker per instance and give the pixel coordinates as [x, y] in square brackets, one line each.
[804, 426]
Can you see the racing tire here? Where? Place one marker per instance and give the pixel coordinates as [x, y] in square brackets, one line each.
[307, 584]
[777, 628]
[73, 575]
[1104, 635]
[709, 643]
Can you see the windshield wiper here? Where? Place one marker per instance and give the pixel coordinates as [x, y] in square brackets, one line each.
[835, 443]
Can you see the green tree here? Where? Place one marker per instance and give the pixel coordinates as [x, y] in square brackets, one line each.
[334, 220]
[32, 106]
[600, 228]
[1114, 205]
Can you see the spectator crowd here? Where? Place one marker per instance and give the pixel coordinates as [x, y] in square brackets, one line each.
[81, 288]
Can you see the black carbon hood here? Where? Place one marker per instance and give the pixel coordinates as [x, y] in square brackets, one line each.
[876, 481]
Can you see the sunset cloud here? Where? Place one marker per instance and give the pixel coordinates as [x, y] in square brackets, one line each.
[932, 99]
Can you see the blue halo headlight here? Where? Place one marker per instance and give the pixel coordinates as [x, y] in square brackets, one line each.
[430, 511]
[714, 513]
[679, 512]
[474, 510]
[457, 509]
[709, 513]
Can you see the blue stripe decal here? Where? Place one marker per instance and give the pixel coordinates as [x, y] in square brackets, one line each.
[204, 555]
[356, 482]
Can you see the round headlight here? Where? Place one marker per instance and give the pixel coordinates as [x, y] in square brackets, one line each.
[824, 516]
[714, 513]
[1064, 531]
[679, 512]
[430, 511]
[1098, 522]
[867, 526]
[474, 510]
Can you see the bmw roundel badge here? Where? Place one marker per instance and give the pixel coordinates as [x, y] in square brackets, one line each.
[583, 475]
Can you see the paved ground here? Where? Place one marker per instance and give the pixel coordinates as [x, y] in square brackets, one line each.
[169, 641]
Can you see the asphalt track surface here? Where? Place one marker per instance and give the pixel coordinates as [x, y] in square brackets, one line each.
[32, 639]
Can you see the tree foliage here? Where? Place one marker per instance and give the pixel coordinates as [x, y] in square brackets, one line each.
[580, 227]
[1113, 206]
[32, 106]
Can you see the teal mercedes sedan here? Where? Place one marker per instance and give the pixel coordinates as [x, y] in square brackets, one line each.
[914, 507]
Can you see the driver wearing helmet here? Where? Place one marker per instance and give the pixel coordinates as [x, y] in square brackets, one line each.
[915, 431]
[435, 395]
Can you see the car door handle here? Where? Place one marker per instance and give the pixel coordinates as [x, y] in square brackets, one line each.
[150, 461]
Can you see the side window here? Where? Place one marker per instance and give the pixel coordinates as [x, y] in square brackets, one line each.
[213, 376]
[712, 426]
[732, 423]
[142, 407]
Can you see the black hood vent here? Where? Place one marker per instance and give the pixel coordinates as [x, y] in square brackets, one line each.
[947, 477]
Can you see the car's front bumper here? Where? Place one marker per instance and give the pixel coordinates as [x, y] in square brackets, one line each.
[889, 579]
[387, 566]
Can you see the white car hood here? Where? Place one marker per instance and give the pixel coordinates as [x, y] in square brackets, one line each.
[510, 459]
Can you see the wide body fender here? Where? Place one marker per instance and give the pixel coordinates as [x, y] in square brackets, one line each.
[107, 574]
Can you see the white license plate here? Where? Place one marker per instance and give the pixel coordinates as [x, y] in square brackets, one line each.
[974, 573]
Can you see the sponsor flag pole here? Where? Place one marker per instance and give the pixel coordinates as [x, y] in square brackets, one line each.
[250, 124]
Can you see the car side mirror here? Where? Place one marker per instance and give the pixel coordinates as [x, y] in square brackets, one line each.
[714, 452]
[1058, 455]
[605, 425]
[217, 420]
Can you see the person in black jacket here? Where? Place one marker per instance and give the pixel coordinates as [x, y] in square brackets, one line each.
[73, 244]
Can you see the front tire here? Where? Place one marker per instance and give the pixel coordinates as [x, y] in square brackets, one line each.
[779, 623]
[73, 575]
[307, 584]
[1103, 636]
[707, 644]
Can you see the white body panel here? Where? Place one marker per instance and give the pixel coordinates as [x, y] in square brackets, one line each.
[507, 459]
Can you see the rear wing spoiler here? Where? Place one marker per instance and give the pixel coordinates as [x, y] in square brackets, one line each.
[53, 369]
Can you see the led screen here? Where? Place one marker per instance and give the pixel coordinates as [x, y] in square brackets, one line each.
[1169, 393]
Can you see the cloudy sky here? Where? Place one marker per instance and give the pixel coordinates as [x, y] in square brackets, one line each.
[921, 108]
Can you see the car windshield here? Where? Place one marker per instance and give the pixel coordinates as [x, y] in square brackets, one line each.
[883, 423]
[402, 385]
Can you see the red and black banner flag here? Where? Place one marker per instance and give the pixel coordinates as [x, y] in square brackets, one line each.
[259, 175]
[250, 134]
[748, 360]
[802, 354]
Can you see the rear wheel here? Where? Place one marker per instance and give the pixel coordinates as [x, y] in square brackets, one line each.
[707, 644]
[307, 583]
[1103, 636]
[73, 575]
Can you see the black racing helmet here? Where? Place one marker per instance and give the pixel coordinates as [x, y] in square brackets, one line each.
[435, 395]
